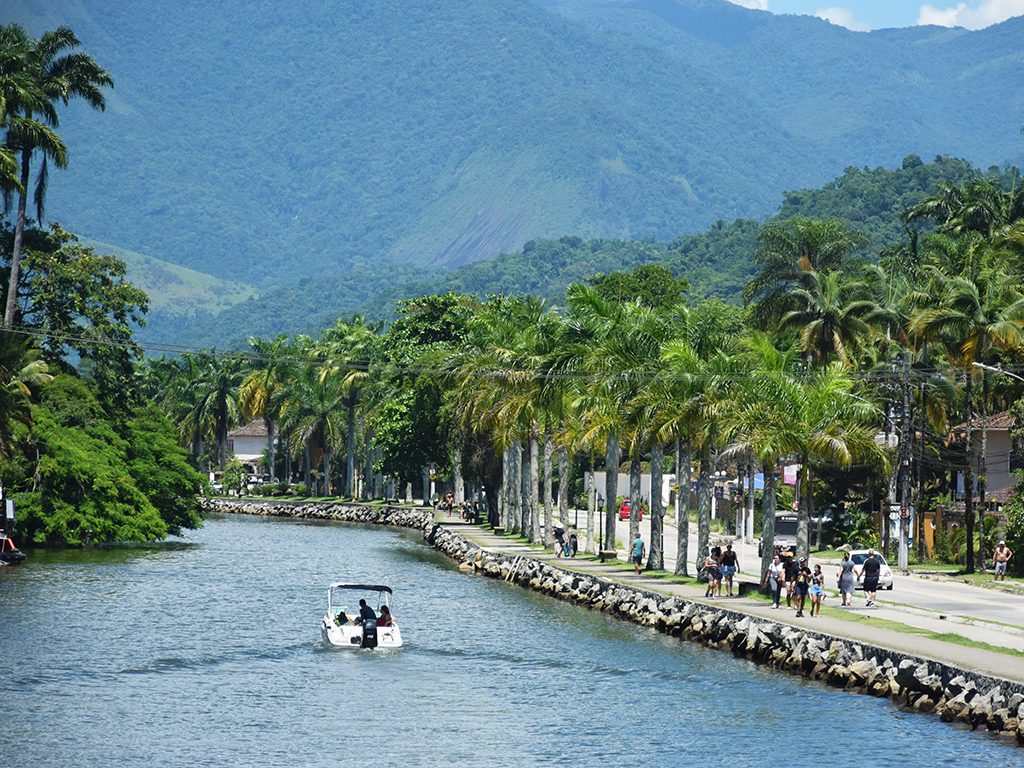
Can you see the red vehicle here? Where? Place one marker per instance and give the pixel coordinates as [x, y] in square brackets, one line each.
[624, 511]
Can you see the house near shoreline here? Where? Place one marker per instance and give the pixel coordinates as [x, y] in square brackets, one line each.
[1004, 456]
[248, 444]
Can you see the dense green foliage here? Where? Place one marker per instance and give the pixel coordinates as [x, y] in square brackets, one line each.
[453, 131]
[97, 479]
[718, 262]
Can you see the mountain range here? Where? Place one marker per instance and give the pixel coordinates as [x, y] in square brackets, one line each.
[361, 144]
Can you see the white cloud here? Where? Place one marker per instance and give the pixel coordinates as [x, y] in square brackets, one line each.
[843, 17]
[760, 5]
[989, 12]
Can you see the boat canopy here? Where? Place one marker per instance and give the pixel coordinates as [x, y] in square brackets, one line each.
[367, 587]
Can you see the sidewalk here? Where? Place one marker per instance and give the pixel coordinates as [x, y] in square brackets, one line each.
[989, 662]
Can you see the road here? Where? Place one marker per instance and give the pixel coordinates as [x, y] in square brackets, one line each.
[939, 605]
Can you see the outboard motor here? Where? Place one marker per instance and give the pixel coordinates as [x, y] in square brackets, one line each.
[369, 633]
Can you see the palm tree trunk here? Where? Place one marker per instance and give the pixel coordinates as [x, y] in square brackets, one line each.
[983, 471]
[683, 480]
[634, 497]
[563, 483]
[592, 510]
[803, 545]
[611, 488]
[516, 487]
[350, 462]
[270, 450]
[327, 472]
[656, 560]
[503, 489]
[525, 497]
[548, 467]
[309, 470]
[969, 482]
[534, 494]
[457, 479]
[703, 505]
[768, 519]
[19, 234]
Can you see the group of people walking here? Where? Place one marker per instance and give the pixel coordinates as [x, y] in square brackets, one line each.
[720, 567]
[801, 582]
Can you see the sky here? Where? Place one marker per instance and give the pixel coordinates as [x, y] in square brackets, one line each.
[865, 15]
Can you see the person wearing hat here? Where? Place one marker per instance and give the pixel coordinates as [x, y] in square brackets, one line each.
[1000, 559]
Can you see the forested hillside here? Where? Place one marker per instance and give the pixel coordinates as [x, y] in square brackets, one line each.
[718, 262]
[270, 144]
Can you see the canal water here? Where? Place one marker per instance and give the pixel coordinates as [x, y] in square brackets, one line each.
[205, 651]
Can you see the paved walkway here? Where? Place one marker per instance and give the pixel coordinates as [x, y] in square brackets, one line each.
[989, 662]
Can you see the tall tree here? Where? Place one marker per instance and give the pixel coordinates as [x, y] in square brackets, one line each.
[262, 392]
[58, 74]
[349, 348]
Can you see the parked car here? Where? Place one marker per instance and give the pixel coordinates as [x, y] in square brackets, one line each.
[624, 511]
[858, 556]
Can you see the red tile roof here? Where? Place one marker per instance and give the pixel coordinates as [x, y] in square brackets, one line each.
[255, 428]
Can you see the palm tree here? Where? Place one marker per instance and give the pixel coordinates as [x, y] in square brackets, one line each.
[758, 420]
[54, 74]
[309, 413]
[22, 370]
[979, 206]
[213, 397]
[261, 394]
[787, 250]
[979, 315]
[830, 323]
[349, 349]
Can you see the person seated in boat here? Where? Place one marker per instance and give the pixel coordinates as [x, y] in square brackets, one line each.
[385, 617]
[342, 618]
[365, 612]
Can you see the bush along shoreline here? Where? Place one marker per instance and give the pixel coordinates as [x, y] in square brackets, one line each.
[954, 694]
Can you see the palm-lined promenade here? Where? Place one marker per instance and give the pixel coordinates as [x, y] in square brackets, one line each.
[856, 372]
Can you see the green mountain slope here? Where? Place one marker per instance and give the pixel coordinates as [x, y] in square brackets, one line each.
[718, 262]
[269, 144]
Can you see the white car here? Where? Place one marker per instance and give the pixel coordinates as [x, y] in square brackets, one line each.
[858, 556]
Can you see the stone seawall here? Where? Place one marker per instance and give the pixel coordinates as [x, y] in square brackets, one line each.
[955, 694]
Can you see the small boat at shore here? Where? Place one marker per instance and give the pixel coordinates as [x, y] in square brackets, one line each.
[345, 627]
[9, 554]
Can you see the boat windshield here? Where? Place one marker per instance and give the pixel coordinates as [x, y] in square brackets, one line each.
[349, 598]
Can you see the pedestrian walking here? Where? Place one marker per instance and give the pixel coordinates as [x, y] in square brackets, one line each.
[792, 569]
[559, 531]
[803, 586]
[728, 569]
[846, 581]
[574, 542]
[776, 579]
[639, 550]
[1000, 560]
[870, 570]
[817, 590]
[711, 568]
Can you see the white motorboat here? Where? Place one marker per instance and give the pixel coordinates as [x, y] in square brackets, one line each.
[348, 622]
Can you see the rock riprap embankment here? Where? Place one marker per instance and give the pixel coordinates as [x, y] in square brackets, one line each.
[955, 694]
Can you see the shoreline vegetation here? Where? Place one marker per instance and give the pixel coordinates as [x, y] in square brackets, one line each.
[954, 693]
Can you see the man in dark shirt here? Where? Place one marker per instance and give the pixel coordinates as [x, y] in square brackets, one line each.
[870, 570]
[366, 612]
[792, 569]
